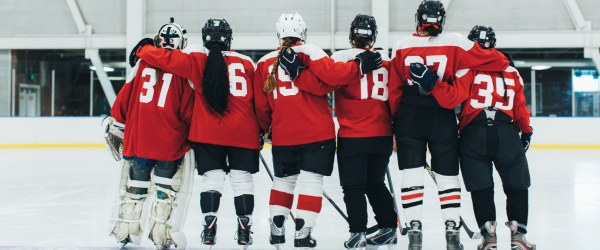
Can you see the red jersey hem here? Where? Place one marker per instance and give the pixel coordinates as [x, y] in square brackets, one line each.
[304, 142]
[239, 145]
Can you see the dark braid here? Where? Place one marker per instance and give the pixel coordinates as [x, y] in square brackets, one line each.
[215, 82]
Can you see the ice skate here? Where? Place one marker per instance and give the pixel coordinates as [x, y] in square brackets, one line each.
[243, 233]
[415, 236]
[209, 235]
[277, 237]
[357, 241]
[453, 236]
[303, 238]
[517, 239]
[385, 236]
[489, 241]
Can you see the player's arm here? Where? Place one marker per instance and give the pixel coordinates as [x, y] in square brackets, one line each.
[188, 64]
[396, 83]
[262, 106]
[121, 104]
[450, 95]
[477, 58]
[309, 82]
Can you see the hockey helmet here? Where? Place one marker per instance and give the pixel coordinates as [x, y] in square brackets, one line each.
[291, 25]
[430, 13]
[483, 36]
[171, 36]
[217, 31]
[364, 26]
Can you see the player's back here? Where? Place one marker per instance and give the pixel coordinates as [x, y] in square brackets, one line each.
[298, 117]
[361, 107]
[156, 107]
[500, 90]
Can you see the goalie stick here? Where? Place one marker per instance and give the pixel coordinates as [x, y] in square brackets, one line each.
[471, 234]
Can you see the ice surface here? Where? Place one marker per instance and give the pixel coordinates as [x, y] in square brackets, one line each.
[60, 199]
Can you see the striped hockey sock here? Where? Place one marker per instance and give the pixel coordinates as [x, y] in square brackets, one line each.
[282, 195]
[449, 192]
[310, 197]
[412, 193]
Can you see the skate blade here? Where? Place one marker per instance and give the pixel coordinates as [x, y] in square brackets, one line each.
[122, 246]
[391, 246]
[279, 246]
[476, 235]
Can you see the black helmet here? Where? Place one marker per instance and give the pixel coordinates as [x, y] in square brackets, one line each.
[430, 13]
[364, 26]
[483, 36]
[217, 30]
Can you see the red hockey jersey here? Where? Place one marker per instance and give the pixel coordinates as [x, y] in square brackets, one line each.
[238, 127]
[362, 106]
[297, 115]
[444, 54]
[477, 90]
[157, 112]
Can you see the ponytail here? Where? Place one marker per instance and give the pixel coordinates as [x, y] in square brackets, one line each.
[215, 82]
[271, 82]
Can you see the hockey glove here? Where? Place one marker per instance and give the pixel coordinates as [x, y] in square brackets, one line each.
[423, 76]
[526, 140]
[114, 134]
[290, 62]
[268, 137]
[133, 58]
[509, 58]
[261, 136]
[368, 61]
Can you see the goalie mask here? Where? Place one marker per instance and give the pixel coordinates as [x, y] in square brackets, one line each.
[430, 13]
[217, 31]
[364, 26]
[291, 25]
[171, 36]
[483, 36]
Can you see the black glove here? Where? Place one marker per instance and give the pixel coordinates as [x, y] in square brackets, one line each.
[290, 62]
[423, 76]
[526, 140]
[133, 58]
[368, 61]
[261, 134]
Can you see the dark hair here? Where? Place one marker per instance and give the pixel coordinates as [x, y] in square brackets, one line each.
[433, 32]
[359, 42]
[271, 82]
[215, 82]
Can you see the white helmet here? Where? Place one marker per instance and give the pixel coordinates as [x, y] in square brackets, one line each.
[171, 36]
[291, 25]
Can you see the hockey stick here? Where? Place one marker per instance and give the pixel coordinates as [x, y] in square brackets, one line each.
[471, 234]
[271, 175]
[403, 231]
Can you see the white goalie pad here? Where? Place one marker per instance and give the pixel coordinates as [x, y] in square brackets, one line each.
[130, 212]
[167, 217]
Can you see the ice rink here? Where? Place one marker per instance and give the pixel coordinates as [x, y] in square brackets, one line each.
[60, 199]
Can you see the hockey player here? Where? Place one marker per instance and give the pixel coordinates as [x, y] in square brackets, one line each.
[364, 139]
[422, 123]
[154, 108]
[224, 124]
[493, 111]
[303, 132]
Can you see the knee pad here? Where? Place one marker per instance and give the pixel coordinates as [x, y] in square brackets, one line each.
[213, 180]
[244, 204]
[168, 215]
[210, 201]
[285, 184]
[241, 182]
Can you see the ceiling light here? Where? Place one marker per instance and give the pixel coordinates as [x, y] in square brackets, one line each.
[106, 69]
[541, 67]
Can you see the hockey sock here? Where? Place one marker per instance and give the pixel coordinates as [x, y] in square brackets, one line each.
[484, 206]
[356, 205]
[412, 192]
[310, 197]
[209, 202]
[382, 204]
[139, 172]
[517, 206]
[282, 195]
[449, 192]
[165, 169]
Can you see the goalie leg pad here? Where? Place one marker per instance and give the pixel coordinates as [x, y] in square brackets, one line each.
[168, 214]
[126, 218]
